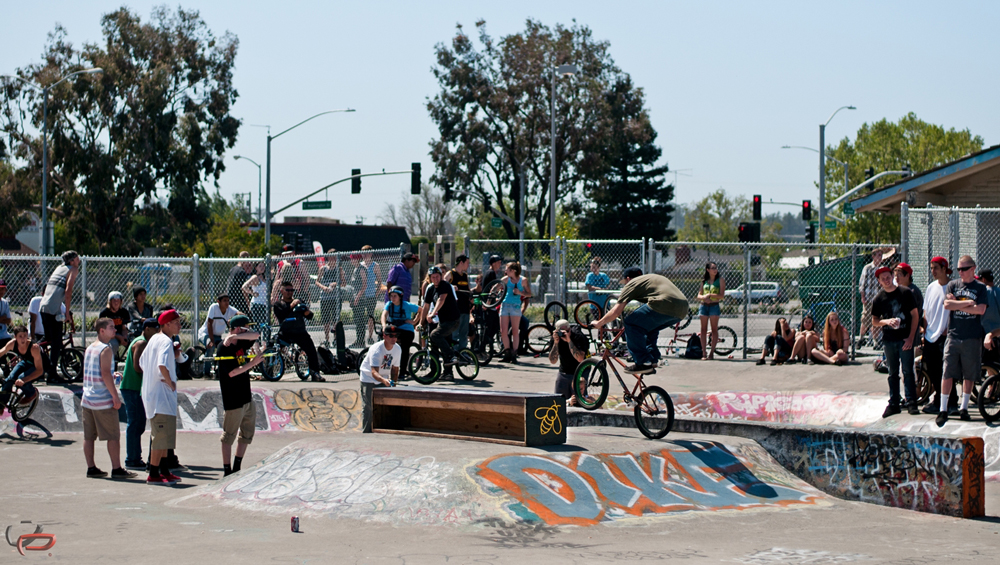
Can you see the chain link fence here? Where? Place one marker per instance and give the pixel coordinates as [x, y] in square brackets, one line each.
[949, 233]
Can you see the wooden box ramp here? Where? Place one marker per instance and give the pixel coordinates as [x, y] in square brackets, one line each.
[927, 472]
[512, 418]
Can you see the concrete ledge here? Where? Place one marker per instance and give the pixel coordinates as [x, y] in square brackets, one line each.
[927, 472]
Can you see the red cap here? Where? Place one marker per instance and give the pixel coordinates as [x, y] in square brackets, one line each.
[167, 316]
[943, 262]
[905, 268]
[878, 273]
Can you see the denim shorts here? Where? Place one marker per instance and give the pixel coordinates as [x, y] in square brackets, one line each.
[710, 310]
[510, 309]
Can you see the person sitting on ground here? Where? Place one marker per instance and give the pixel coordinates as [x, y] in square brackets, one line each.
[28, 368]
[120, 317]
[805, 340]
[399, 313]
[778, 344]
[100, 402]
[380, 367]
[570, 350]
[835, 342]
[238, 354]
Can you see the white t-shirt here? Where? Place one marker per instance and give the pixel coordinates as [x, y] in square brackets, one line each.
[937, 316]
[384, 359]
[157, 397]
[218, 327]
[35, 307]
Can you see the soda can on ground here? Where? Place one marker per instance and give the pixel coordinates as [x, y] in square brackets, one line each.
[295, 524]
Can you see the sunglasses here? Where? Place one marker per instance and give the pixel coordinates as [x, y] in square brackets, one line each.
[963, 269]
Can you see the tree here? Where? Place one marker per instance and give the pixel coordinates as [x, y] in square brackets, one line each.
[722, 214]
[15, 197]
[494, 113]
[155, 123]
[424, 214]
[631, 198]
[888, 146]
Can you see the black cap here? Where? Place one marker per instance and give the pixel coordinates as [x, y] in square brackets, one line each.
[632, 272]
[461, 258]
[151, 323]
[409, 257]
[495, 258]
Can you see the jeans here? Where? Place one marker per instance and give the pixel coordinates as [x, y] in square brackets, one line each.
[461, 335]
[642, 329]
[784, 348]
[54, 335]
[894, 356]
[22, 369]
[305, 342]
[135, 414]
[405, 340]
[441, 338]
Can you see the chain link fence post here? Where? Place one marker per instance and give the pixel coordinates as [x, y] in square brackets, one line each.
[747, 290]
[854, 302]
[196, 292]
[904, 232]
[953, 239]
[83, 300]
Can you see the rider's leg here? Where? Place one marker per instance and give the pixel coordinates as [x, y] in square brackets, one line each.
[405, 341]
[441, 338]
[642, 328]
[304, 341]
[461, 335]
[54, 335]
[8, 383]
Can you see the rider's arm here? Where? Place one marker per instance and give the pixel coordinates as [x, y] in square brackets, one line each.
[611, 315]
[385, 317]
[438, 305]
[70, 281]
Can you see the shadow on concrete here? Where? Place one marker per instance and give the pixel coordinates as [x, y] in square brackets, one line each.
[723, 462]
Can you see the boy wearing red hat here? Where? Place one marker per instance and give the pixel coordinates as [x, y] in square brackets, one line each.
[895, 311]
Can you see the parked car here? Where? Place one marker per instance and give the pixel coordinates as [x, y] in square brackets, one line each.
[763, 291]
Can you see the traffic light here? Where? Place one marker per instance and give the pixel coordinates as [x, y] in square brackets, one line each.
[811, 233]
[869, 173]
[415, 178]
[749, 231]
[486, 204]
[356, 181]
[756, 207]
[807, 210]
[907, 170]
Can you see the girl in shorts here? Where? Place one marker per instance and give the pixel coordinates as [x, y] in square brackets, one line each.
[713, 290]
[510, 309]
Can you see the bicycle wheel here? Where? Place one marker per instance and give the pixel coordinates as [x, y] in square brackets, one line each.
[989, 396]
[8, 362]
[654, 412]
[484, 352]
[590, 384]
[727, 341]
[21, 412]
[199, 368]
[555, 311]
[467, 365]
[71, 365]
[494, 294]
[924, 387]
[586, 312]
[424, 367]
[684, 323]
[539, 339]
[273, 367]
[301, 364]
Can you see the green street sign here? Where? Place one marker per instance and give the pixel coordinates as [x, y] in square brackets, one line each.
[848, 209]
[830, 224]
[317, 205]
[496, 222]
[814, 223]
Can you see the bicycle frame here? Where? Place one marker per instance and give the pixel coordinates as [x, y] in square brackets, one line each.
[607, 355]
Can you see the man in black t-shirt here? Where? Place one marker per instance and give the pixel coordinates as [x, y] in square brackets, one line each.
[440, 302]
[966, 301]
[570, 350]
[894, 310]
[292, 315]
[237, 355]
[459, 278]
[492, 314]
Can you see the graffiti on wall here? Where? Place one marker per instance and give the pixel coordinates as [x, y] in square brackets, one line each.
[321, 409]
[585, 488]
[817, 409]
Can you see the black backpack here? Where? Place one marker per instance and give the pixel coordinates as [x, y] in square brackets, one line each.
[327, 362]
[693, 350]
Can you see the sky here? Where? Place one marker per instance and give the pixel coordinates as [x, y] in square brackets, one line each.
[727, 83]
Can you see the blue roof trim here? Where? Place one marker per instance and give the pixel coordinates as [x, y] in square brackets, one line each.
[929, 176]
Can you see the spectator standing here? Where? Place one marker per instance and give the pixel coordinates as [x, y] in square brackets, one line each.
[289, 269]
[237, 276]
[131, 388]
[400, 276]
[492, 315]
[895, 311]
[518, 288]
[292, 314]
[570, 350]
[597, 280]
[5, 318]
[367, 295]
[966, 301]
[713, 290]
[58, 290]
[779, 343]
[380, 367]
[159, 396]
[255, 289]
[835, 341]
[100, 403]
[459, 279]
[936, 324]
[29, 367]
[329, 281]
[139, 311]
[121, 319]
[238, 355]
[398, 313]
[991, 319]
[868, 287]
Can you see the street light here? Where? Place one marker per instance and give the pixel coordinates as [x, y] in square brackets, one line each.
[843, 164]
[45, 145]
[259, 208]
[822, 170]
[564, 70]
[267, 206]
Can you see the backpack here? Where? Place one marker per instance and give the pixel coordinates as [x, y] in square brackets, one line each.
[879, 365]
[327, 362]
[693, 349]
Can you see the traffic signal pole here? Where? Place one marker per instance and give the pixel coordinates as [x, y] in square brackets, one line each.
[345, 179]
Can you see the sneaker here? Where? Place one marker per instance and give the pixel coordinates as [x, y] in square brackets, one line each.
[95, 473]
[932, 408]
[448, 377]
[175, 464]
[160, 481]
[891, 410]
[140, 465]
[964, 416]
[942, 417]
[171, 477]
[762, 361]
[637, 369]
[120, 473]
[317, 379]
[912, 409]
[28, 400]
[449, 361]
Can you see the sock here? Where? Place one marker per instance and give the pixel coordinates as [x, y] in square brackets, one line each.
[965, 401]
[226, 469]
[944, 403]
[237, 461]
[164, 469]
[154, 471]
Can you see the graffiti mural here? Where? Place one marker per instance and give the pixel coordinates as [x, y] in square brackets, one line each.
[321, 409]
[817, 409]
[585, 489]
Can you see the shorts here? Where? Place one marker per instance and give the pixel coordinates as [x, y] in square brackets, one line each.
[710, 310]
[242, 419]
[510, 309]
[963, 359]
[564, 385]
[101, 424]
[163, 431]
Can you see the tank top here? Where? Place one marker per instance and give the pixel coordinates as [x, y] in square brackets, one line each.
[326, 278]
[131, 379]
[712, 287]
[510, 297]
[55, 290]
[27, 356]
[96, 395]
[371, 285]
[261, 290]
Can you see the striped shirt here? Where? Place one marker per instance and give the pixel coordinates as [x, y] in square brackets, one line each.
[96, 395]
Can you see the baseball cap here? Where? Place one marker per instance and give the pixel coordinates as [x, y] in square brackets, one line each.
[114, 294]
[905, 268]
[632, 272]
[239, 321]
[222, 295]
[880, 270]
[150, 323]
[409, 257]
[168, 316]
[390, 331]
[434, 271]
[3, 283]
[495, 258]
[943, 262]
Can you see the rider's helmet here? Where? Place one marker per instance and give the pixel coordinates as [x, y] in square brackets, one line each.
[397, 290]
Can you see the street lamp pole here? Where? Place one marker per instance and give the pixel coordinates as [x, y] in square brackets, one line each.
[260, 209]
[822, 170]
[46, 247]
[564, 70]
[267, 205]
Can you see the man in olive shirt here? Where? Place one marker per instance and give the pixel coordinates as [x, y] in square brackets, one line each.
[664, 306]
